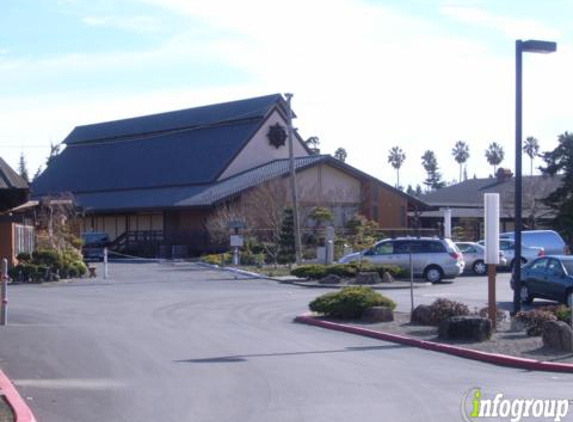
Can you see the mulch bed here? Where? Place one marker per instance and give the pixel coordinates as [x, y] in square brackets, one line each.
[504, 341]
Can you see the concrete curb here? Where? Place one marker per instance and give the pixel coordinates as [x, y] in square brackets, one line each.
[22, 412]
[497, 359]
[397, 285]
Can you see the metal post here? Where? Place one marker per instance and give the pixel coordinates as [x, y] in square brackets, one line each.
[297, 240]
[4, 292]
[411, 281]
[105, 274]
[492, 308]
[518, 156]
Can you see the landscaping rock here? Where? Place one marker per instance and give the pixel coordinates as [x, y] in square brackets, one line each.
[387, 278]
[557, 335]
[465, 328]
[367, 278]
[422, 314]
[377, 314]
[331, 279]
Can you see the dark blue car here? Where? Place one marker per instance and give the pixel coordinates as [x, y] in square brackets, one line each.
[549, 277]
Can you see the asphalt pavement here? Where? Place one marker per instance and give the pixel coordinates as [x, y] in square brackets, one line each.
[178, 342]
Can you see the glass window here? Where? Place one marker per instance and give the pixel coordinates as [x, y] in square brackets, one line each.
[384, 248]
[554, 267]
[504, 245]
[404, 247]
[433, 247]
[568, 266]
[539, 265]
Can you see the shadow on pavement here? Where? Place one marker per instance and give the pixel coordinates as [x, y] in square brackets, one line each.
[243, 358]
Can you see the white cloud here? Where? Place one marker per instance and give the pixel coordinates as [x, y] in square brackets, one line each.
[128, 23]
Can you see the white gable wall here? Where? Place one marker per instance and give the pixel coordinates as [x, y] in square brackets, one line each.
[259, 151]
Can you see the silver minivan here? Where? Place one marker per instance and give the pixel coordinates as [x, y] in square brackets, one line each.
[549, 240]
[432, 258]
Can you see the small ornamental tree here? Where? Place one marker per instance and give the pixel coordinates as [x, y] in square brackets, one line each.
[286, 252]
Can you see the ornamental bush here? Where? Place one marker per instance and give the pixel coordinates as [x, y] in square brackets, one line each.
[442, 309]
[349, 303]
[318, 271]
[533, 320]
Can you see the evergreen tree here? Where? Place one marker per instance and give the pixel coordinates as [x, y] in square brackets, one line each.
[418, 190]
[287, 253]
[54, 151]
[341, 154]
[313, 143]
[22, 169]
[410, 190]
[560, 160]
[37, 174]
[430, 164]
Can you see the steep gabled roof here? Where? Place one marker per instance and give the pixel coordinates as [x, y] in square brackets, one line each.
[9, 179]
[184, 147]
[211, 194]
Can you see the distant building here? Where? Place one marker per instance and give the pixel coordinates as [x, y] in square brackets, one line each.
[157, 179]
[16, 233]
[466, 202]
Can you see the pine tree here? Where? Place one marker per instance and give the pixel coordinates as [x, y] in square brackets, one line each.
[430, 164]
[287, 252]
[341, 154]
[560, 160]
[22, 169]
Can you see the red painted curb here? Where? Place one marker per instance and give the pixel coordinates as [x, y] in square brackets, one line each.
[22, 412]
[497, 359]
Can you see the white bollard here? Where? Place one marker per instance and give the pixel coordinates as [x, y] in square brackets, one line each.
[105, 274]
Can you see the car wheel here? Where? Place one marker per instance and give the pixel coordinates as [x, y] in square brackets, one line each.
[433, 274]
[479, 267]
[525, 296]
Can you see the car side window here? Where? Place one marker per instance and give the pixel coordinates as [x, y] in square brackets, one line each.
[554, 267]
[384, 248]
[404, 247]
[539, 265]
[433, 247]
[505, 245]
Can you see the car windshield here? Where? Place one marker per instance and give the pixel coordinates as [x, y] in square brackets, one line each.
[90, 238]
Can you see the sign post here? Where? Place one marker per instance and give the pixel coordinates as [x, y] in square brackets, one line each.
[491, 206]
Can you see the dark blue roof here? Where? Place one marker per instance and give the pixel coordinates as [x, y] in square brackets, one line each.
[155, 151]
[173, 120]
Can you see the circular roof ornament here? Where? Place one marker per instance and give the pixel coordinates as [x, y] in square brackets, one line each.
[277, 135]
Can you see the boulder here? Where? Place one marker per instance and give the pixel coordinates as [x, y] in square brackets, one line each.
[422, 314]
[557, 335]
[330, 279]
[377, 314]
[387, 277]
[465, 328]
[367, 278]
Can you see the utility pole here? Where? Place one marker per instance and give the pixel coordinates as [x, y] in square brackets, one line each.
[297, 241]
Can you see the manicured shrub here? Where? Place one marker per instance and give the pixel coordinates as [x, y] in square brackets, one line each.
[349, 303]
[442, 309]
[47, 257]
[24, 257]
[533, 320]
[561, 312]
[216, 259]
[27, 272]
[313, 271]
[341, 270]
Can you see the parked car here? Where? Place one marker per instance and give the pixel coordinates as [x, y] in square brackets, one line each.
[528, 253]
[474, 257]
[549, 277]
[432, 258]
[93, 244]
[549, 240]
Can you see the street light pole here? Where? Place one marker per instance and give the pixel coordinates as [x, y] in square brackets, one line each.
[530, 46]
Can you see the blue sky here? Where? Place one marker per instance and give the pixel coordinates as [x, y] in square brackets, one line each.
[366, 74]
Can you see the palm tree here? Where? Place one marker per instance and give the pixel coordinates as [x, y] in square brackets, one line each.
[531, 148]
[396, 157]
[461, 153]
[494, 155]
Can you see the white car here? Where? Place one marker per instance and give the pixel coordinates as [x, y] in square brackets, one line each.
[528, 253]
[474, 257]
